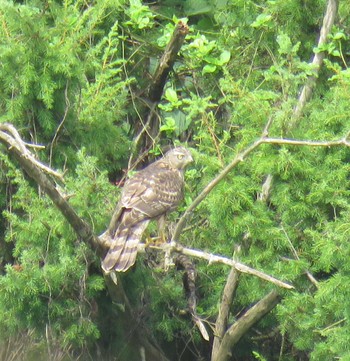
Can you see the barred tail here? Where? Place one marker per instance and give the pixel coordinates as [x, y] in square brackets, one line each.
[122, 255]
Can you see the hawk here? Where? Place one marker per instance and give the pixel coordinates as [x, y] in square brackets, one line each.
[150, 194]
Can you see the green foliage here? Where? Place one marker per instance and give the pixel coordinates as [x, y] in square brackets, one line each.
[58, 65]
[140, 16]
[51, 287]
[73, 75]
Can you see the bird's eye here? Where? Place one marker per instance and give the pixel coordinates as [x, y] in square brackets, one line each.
[180, 156]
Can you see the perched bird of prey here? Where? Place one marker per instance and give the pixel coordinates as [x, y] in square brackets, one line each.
[149, 194]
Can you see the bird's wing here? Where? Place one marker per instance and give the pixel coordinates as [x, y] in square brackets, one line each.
[153, 191]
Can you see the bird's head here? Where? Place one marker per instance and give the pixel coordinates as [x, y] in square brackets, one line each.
[178, 157]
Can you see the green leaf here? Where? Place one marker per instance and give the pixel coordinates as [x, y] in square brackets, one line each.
[225, 57]
[261, 20]
[339, 35]
[285, 44]
[171, 95]
[209, 68]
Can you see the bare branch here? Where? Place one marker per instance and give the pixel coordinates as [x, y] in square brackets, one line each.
[148, 131]
[212, 258]
[224, 310]
[282, 141]
[306, 92]
[305, 95]
[10, 137]
[264, 195]
[34, 169]
[167, 61]
[244, 323]
[211, 185]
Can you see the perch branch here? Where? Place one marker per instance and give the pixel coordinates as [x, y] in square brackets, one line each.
[212, 258]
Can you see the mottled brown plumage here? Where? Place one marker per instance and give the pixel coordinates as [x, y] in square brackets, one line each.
[149, 194]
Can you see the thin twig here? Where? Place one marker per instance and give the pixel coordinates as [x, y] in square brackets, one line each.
[310, 143]
[61, 123]
[310, 276]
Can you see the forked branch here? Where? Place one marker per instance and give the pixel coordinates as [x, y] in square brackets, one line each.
[244, 323]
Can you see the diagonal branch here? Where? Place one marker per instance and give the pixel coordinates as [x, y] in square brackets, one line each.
[148, 131]
[167, 61]
[224, 310]
[35, 170]
[306, 92]
[240, 157]
[211, 185]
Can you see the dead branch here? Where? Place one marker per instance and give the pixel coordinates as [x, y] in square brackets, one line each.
[244, 323]
[306, 92]
[264, 195]
[189, 281]
[310, 143]
[35, 170]
[167, 61]
[10, 137]
[211, 185]
[224, 310]
[148, 131]
[212, 258]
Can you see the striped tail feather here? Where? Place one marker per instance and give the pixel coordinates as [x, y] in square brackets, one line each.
[122, 255]
[115, 250]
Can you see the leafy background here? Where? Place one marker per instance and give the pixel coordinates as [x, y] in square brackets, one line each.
[73, 77]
